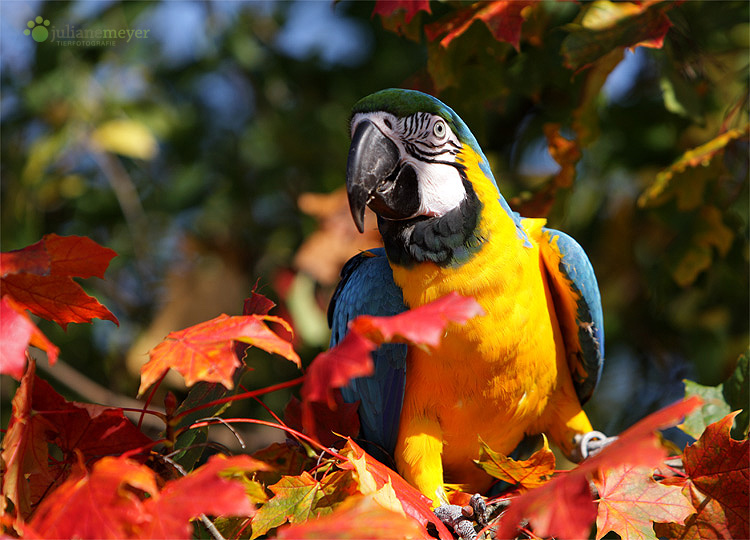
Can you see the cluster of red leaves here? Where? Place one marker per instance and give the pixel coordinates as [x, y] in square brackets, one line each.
[627, 24]
[83, 470]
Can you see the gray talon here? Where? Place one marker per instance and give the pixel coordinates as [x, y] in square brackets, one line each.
[479, 506]
[453, 516]
[591, 443]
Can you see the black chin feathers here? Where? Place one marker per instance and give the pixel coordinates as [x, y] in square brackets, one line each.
[447, 240]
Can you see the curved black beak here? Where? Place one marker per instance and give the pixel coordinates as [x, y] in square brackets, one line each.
[375, 178]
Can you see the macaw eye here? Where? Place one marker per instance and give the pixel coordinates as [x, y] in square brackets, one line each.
[439, 129]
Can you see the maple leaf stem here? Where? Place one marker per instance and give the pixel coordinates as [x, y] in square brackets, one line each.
[245, 395]
[228, 426]
[150, 397]
[289, 430]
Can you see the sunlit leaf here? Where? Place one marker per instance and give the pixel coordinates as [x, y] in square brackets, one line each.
[529, 473]
[50, 292]
[708, 522]
[372, 476]
[205, 352]
[630, 501]
[129, 138]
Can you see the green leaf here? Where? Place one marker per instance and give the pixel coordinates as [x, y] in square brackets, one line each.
[714, 408]
[736, 394]
[299, 498]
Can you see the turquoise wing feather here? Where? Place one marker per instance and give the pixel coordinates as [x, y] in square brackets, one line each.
[578, 306]
[367, 288]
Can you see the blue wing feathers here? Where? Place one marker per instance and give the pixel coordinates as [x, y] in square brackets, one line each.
[367, 288]
[574, 277]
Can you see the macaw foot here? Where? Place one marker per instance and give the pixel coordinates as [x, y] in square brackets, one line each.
[459, 518]
[590, 443]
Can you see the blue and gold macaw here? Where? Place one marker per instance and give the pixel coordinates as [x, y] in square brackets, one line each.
[526, 366]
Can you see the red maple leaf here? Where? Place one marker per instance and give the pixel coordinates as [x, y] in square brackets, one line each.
[630, 501]
[331, 370]
[564, 507]
[107, 502]
[81, 432]
[17, 332]
[386, 8]
[503, 18]
[205, 352]
[719, 466]
[39, 278]
[335, 367]
[423, 325]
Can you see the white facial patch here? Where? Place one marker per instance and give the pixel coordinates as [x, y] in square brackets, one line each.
[426, 142]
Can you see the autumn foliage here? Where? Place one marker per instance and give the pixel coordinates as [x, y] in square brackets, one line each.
[83, 470]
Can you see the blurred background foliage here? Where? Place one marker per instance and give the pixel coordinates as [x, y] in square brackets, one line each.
[208, 155]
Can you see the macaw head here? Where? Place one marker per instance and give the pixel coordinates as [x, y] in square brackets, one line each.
[414, 162]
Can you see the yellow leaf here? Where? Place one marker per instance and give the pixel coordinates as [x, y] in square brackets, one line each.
[686, 178]
[128, 138]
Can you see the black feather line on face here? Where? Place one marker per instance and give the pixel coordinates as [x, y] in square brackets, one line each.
[447, 240]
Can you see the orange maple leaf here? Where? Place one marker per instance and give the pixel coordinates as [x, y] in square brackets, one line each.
[39, 278]
[529, 473]
[630, 501]
[107, 502]
[205, 351]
